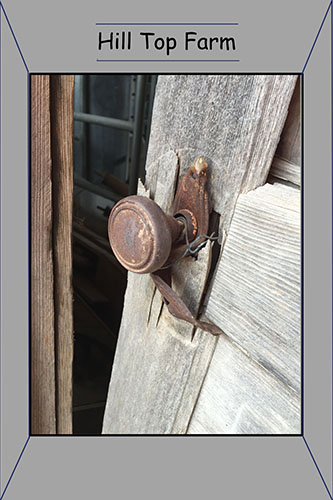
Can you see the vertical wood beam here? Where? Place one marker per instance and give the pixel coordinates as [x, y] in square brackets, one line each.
[62, 94]
[43, 419]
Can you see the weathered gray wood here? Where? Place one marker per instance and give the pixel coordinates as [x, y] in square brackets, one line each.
[235, 122]
[287, 160]
[201, 359]
[240, 397]
[289, 146]
[255, 299]
[154, 351]
[285, 170]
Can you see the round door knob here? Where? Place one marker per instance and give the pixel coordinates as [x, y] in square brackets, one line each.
[141, 234]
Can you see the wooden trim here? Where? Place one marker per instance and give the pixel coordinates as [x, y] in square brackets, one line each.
[43, 419]
[62, 94]
[51, 253]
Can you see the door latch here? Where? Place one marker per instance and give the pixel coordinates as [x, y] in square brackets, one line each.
[146, 240]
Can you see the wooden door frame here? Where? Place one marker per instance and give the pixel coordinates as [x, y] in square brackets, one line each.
[51, 253]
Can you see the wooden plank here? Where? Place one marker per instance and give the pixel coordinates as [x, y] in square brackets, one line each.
[285, 170]
[235, 122]
[240, 397]
[287, 161]
[256, 294]
[154, 351]
[253, 384]
[43, 418]
[289, 147]
[62, 88]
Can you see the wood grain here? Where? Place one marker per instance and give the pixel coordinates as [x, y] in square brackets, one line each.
[234, 121]
[241, 397]
[62, 87]
[285, 170]
[256, 294]
[289, 146]
[43, 418]
[287, 161]
[154, 351]
[254, 382]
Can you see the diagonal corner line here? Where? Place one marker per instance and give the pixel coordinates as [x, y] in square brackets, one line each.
[27, 69]
[314, 461]
[15, 467]
[315, 40]
[15, 39]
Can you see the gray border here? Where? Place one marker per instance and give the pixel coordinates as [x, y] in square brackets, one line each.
[194, 467]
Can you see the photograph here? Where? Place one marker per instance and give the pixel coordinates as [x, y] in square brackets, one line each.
[166, 187]
[166, 254]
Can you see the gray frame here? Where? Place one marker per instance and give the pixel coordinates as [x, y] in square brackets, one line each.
[158, 467]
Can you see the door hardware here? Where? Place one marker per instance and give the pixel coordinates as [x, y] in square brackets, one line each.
[146, 240]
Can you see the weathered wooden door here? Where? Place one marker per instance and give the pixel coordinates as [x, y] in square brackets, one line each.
[169, 377]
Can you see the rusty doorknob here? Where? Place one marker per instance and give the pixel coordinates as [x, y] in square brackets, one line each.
[141, 235]
[145, 240]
